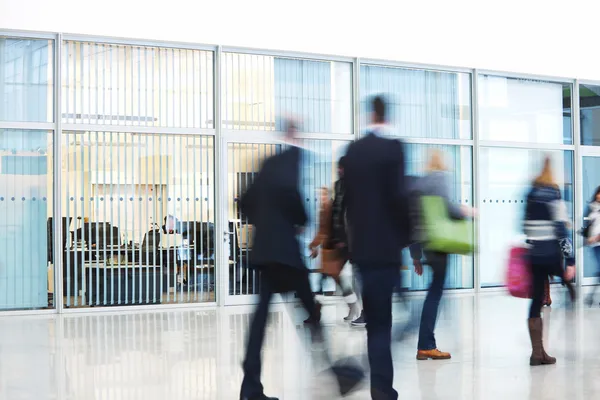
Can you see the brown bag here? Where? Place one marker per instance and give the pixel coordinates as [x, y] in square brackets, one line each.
[332, 262]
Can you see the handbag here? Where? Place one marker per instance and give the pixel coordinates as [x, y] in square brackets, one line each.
[518, 274]
[332, 262]
[443, 234]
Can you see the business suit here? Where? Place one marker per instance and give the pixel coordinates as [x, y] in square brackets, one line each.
[274, 206]
[377, 210]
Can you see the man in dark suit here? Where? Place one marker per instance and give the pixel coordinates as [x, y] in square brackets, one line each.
[274, 205]
[377, 211]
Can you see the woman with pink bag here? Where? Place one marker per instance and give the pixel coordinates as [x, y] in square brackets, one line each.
[545, 226]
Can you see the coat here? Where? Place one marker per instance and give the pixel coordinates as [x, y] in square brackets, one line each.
[274, 206]
[377, 204]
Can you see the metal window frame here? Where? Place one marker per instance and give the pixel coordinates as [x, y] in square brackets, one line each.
[221, 135]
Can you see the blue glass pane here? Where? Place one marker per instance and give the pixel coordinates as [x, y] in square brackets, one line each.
[424, 104]
[26, 80]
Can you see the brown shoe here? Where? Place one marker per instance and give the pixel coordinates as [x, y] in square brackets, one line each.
[434, 354]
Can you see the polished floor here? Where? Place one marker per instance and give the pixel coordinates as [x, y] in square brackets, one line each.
[171, 355]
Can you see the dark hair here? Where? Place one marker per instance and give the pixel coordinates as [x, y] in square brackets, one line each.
[596, 194]
[378, 104]
[342, 162]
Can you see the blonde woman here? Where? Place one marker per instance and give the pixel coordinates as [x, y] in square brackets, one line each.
[546, 227]
[434, 183]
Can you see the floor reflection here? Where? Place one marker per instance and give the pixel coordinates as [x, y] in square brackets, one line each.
[192, 354]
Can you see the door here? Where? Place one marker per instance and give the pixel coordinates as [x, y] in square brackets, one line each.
[591, 180]
[241, 163]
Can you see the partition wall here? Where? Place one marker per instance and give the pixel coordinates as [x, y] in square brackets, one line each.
[122, 162]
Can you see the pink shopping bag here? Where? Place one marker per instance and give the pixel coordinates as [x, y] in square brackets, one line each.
[518, 277]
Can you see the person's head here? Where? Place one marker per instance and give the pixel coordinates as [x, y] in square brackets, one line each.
[596, 195]
[341, 165]
[291, 128]
[436, 163]
[378, 106]
[546, 177]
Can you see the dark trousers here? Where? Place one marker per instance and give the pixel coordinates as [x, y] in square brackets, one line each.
[297, 281]
[377, 288]
[539, 273]
[439, 264]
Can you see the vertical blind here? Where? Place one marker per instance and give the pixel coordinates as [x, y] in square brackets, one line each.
[140, 216]
[137, 85]
[260, 91]
[422, 104]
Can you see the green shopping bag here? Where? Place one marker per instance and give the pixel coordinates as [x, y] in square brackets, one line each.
[443, 234]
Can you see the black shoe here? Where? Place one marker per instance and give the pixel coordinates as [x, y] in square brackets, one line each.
[259, 397]
[360, 322]
[309, 320]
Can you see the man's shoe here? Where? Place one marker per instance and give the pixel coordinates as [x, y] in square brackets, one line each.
[434, 354]
[259, 397]
[309, 320]
[360, 322]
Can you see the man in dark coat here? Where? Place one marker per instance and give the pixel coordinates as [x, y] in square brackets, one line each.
[378, 218]
[274, 205]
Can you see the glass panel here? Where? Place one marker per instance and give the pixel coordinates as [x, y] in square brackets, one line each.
[506, 176]
[459, 162]
[591, 181]
[259, 90]
[521, 110]
[26, 269]
[26, 80]
[137, 85]
[589, 114]
[140, 212]
[244, 162]
[424, 104]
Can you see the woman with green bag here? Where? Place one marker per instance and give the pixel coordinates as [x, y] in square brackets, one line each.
[433, 189]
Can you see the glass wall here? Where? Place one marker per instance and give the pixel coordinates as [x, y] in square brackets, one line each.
[123, 85]
[140, 217]
[260, 91]
[523, 110]
[26, 80]
[505, 179]
[26, 157]
[426, 106]
[422, 104]
[139, 208]
[139, 205]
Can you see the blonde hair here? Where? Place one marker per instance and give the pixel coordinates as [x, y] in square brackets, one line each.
[436, 161]
[546, 177]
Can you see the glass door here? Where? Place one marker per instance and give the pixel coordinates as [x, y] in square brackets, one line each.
[241, 164]
[591, 180]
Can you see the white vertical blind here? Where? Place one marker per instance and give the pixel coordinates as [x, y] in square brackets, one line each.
[422, 104]
[126, 85]
[140, 211]
[259, 91]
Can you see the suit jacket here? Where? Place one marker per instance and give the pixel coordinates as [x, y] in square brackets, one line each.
[273, 204]
[376, 200]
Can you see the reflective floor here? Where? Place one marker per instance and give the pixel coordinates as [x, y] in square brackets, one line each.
[196, 354]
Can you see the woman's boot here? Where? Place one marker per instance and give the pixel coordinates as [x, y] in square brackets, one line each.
[538, 354]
